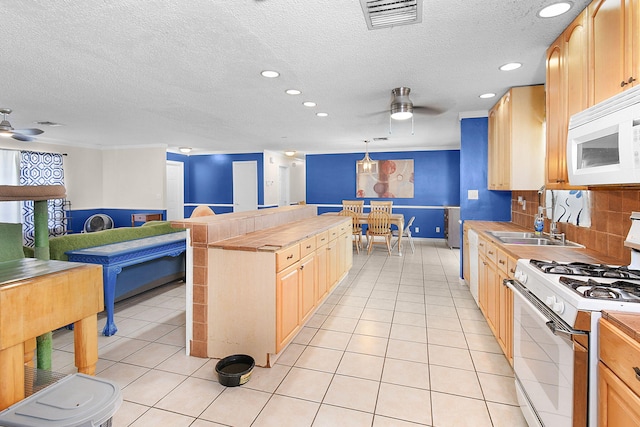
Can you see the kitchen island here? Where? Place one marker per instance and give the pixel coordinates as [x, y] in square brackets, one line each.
[259, 275]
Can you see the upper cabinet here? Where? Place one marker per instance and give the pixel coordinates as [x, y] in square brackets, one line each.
[516, 140]
[566, 95]
[614, 43]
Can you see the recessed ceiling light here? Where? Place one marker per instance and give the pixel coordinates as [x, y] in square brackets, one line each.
[185, 149]
[511, 66]
[270, 74]
[487, 95]
[290, 153]
[293, 92]
[309, 104]
[322, 114]
[554, 10]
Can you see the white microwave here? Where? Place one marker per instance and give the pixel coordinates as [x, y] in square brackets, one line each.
[603, 142]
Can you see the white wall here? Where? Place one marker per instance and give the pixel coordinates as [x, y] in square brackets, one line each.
[125, 178]
[134, 178]
[272, 161]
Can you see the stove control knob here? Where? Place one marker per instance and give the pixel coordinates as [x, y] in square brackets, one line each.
[558, 307]
[521, 277]
[550, 301]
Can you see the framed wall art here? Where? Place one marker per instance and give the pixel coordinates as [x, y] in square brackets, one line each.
[384, 179]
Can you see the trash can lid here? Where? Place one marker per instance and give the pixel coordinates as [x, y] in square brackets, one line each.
[75, 401]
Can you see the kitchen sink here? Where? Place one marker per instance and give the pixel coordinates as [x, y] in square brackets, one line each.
[530, 239]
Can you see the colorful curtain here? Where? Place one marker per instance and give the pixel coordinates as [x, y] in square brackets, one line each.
[42, 169]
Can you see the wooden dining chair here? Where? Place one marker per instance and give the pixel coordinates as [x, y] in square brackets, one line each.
[382, 206]
[378, 225]
[356, 206]
[356, 227]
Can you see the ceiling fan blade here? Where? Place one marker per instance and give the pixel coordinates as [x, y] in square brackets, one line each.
[433, 111]
[31, 131]
[21, 137]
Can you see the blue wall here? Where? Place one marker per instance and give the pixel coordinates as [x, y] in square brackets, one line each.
[332, 178]
[210, 179]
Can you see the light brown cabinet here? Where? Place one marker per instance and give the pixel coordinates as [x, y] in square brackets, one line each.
[516, 140]
[494, 298]
[566, 94]
[618, 383]
[287, 305]
[614, 55]
[465, 255]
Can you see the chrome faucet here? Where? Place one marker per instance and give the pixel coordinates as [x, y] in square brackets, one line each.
[553, 228]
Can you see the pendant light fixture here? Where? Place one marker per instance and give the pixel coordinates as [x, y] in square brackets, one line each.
[366, 165]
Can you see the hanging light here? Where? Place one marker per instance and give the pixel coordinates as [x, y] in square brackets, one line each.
[366, 165]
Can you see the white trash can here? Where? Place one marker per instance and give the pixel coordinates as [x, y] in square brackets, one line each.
[75, 401]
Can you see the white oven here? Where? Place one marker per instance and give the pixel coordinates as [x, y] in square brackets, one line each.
[544, 355]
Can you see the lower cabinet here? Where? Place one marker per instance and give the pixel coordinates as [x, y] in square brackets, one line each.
[287, 304]
[618, 384]
[494, 298]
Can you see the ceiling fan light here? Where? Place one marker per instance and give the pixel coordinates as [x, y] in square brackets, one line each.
[401, 105]
[401, 115]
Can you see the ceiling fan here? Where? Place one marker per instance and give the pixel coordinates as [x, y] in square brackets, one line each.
[402, 108]
[7, 130]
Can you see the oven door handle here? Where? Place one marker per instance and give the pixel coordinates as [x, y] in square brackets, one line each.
[555, 324]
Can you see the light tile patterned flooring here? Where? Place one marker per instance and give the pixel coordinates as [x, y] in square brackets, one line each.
[400, 342]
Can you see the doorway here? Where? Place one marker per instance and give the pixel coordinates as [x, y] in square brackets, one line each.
[284, 195]
[245, 186]
[174, 196]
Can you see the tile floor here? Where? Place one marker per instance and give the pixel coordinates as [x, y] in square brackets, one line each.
[400, 342]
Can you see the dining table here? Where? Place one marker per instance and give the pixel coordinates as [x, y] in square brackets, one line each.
[397, 219]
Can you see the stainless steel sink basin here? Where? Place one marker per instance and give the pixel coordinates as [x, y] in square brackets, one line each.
[530, 239]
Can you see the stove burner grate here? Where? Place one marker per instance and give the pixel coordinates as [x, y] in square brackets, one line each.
[590, 288]
[585, 269]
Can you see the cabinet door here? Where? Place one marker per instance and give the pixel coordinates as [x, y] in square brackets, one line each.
[465, 256]
[618, 406]
[332, 263]
[307, 287]
[504, 152]
[322, 284]
[482, 284]
[556, 115]
[505, 318]
[287, 300]
[607, 28]
[492, 297]
[492, 149]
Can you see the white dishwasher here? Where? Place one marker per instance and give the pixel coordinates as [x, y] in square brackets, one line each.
[473, 264]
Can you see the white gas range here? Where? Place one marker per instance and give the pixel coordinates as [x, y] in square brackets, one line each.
[556, 311]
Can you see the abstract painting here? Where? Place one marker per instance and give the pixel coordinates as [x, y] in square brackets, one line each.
[387, 179]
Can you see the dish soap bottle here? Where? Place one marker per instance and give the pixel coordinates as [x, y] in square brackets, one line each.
[538, 224]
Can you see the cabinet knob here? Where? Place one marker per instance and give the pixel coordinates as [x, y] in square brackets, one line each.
[631, 80]
[623, 83]
[637, 371]
[501, 261]
[290, 256]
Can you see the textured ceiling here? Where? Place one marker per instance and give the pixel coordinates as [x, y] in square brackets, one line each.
[135, 73]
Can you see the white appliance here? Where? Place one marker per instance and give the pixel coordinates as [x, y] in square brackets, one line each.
[473, 264]
[603, 142]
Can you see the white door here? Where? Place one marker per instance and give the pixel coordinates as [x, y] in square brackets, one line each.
[284, 194]
[245, 186]
[175, 190]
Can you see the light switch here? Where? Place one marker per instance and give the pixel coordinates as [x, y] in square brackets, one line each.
[472, 194]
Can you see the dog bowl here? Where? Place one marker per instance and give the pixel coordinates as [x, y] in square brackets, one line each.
[235, 370]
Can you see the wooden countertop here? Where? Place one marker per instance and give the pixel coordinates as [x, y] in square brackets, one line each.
[629, 323]
[555, 253]
[276, 238]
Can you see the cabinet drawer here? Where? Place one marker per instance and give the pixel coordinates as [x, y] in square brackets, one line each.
[307, 246]
[322, 239]
[512, 267]
[502, 261]
[344, 228]
[333, 232]
[287, 256]
[490, 252]
[482, 246]
[620, 353]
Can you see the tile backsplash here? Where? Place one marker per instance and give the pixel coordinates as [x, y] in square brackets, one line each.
[610, 223]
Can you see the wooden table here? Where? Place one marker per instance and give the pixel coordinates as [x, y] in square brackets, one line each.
[396, 219]
[36, 297]
[144, 217]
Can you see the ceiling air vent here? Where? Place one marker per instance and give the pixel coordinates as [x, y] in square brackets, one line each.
[389, 13]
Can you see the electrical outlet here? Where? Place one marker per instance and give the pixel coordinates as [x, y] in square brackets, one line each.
[417, 230]
[437, 229]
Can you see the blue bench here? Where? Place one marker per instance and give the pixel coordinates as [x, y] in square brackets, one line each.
[134, 266]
